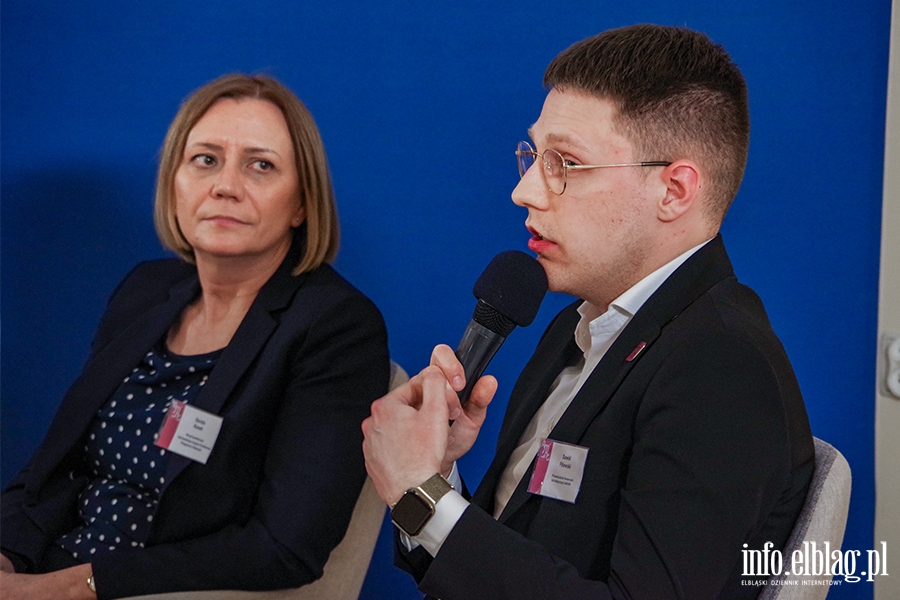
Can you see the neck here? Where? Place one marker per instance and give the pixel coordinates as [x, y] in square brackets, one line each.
[228, 278]
[664, 252]
[229, 286]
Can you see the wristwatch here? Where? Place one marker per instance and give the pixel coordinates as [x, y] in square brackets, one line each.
[416, 507]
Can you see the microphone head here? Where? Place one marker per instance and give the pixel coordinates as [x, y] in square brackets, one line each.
[513, 284]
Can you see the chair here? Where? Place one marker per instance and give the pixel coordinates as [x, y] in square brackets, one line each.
[346, 567]
[822, 519]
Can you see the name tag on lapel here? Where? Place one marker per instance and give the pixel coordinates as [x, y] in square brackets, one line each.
[558, 470]
[189, 431]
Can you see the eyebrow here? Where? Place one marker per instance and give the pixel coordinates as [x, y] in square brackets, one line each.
[560, 138]
[251, 150]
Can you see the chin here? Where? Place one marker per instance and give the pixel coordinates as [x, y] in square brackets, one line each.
[223, 251]
[555, 283]
[558, 282]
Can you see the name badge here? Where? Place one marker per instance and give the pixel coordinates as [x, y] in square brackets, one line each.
[189, 431]
[558, 470]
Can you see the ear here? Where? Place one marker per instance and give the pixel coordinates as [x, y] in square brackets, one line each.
[682, 180]
[299, 215]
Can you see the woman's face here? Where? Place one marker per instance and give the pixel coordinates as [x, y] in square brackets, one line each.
[237, 191]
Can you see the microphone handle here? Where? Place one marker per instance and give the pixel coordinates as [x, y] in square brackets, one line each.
[476, 349]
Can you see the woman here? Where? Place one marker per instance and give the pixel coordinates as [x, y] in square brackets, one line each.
[252, 327]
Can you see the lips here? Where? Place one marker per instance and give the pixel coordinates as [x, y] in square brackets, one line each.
[538, 243]
[224, 220]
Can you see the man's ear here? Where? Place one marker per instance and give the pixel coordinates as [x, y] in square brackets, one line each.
[682, 179]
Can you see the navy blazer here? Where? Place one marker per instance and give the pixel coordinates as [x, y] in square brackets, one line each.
[292, 386]
[697, 446]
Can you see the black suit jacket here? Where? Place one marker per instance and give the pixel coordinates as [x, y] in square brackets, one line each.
[698, 446]
[293, 387]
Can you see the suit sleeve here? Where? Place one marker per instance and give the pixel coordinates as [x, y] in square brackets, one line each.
[24, 542]
[16, 526]
[312, 474]
[709, 441]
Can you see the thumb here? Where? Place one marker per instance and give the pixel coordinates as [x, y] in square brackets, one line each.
[482, 394]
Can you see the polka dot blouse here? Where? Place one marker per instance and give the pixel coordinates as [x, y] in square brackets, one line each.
[127, 470]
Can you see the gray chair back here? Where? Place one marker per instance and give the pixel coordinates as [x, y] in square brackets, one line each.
[822, 519]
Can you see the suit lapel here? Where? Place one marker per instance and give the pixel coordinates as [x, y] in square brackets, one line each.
[593, 395]
[556, 350]
[106, 370]
[248, 341]
[707, 267]
[104, 373]
[554, 356]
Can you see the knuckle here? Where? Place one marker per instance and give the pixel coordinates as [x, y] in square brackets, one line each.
[375, 409]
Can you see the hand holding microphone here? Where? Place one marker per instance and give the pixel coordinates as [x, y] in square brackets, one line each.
[404, 434]
[509, 293]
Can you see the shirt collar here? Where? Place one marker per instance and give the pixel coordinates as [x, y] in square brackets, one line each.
[594, 321]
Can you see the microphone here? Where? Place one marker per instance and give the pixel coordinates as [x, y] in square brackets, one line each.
[509, 293]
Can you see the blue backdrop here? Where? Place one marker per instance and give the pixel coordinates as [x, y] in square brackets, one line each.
[420, 105]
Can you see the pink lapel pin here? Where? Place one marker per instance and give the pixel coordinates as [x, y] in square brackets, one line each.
[637, 350]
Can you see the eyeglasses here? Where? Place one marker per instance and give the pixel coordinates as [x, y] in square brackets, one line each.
[556, 168]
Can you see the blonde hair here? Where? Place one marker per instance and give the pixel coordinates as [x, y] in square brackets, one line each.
[316, 192]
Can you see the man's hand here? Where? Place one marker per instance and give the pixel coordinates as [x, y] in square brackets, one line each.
[467, 421]
[408, 437]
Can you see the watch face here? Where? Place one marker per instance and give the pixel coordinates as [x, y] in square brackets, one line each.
[411, 513]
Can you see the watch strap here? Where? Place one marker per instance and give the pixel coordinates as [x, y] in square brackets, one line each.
[417, 505]
[435, 487]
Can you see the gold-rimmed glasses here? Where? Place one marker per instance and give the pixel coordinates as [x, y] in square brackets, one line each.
[556, 168]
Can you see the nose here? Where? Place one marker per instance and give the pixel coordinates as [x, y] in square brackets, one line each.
[227, 183]
[531, 191]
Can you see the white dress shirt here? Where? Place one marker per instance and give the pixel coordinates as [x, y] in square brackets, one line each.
[595, 333]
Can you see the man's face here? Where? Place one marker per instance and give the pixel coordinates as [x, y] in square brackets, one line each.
[594, 239]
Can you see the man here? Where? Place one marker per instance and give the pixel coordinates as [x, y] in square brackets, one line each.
[658, 430]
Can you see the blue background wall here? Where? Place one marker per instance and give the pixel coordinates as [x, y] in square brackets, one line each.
[420, 105]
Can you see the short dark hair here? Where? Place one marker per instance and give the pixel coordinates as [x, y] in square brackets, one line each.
[677, 95]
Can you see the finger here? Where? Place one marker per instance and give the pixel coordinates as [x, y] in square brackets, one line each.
[481, 397]
[434, 393]
[445, 359]
[410, 394]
